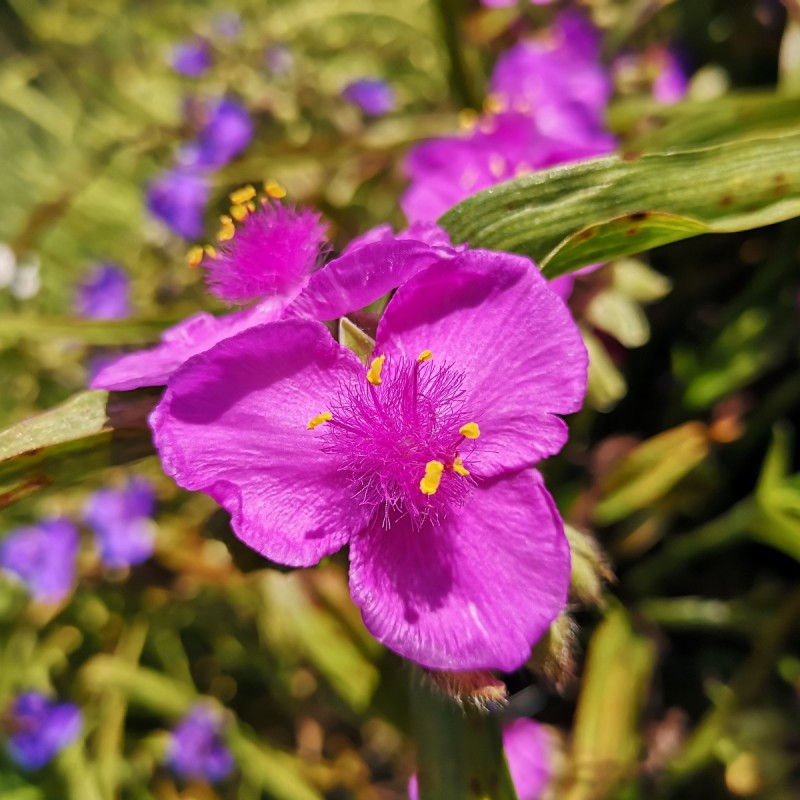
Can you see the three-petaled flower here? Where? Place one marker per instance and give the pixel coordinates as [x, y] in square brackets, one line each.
[423, 462]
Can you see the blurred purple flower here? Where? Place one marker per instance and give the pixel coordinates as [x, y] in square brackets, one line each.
[227, 24]
[415, 462]
[122, 524]
[372, 95]
[39, 728]
[527, 748]
[278, 59]
[196, 750]
[191, 58]
[179, 199]
[104, 293]
[671, 82]
[547, 101]
[225, 133]
[43, 557]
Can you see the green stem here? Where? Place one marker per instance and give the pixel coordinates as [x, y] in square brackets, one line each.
[462, 75]
[459, 750]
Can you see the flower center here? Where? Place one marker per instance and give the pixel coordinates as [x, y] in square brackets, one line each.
[404, 435]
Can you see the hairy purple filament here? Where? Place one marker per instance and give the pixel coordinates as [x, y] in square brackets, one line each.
[386, 434]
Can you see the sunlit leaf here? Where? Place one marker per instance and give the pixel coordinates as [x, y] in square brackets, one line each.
[579, 214]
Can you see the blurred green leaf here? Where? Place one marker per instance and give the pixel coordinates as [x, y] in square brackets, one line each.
[650, 125]
[580, 214]
[778, 498]
[650, 470]
[620, 316]
[86, 433]
[606, 386]
[606, 738]
[459, 750]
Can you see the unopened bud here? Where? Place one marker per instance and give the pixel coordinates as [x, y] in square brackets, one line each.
[553, 657]
[477, 688]
[590, 568]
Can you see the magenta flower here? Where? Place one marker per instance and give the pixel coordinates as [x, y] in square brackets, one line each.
[39, 729]
[547, 101]
[120, 519]
[197, 750]
[43, 558]
[271, 256]
[527, 749]
[423, 464]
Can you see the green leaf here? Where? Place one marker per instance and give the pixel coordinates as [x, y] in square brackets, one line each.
[650, 470]
[606, 738]
[579, 214]
[89, 431]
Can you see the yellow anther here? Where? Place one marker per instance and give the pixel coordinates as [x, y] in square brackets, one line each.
[425, 355]
[227, 230]
[470, 430]
[433, 477]
[458, 466]
[374, 371]
[274, 189]
[195, 256]
[239, 212]
[467, 118]
[241, 196]
[251, 206]
[494, 104]
[210, 251]
[325, 416]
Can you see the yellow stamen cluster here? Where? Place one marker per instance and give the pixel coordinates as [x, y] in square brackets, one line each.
[242, 196]
[315, 422]
[470, 430]
[425, 355]
[274, 189]
[374, 371]
[195, 256]
[433, 477]
[227, 229]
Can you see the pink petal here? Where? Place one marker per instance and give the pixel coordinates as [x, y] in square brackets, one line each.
[527, 747]
[364, 274]
[233, 424]
[474, 592]
[494, 317]
[196, 334]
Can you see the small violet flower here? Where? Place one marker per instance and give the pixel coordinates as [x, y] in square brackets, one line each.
[271, 258]
[226, 132]
[179, 199]
[278, 59]
[42, 557]
[104, 293]
[546, 107]
[191, 58]
[372, 95]
[121, 521]
[527, 749]
[196, 750]
[423, 463]
[39, 729]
